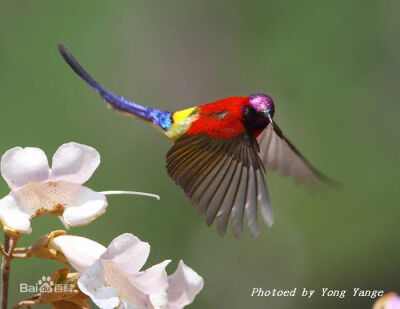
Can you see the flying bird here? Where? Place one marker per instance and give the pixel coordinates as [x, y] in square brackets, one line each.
[219, 153]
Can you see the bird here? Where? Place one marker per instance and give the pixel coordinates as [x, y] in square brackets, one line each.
[220, 153]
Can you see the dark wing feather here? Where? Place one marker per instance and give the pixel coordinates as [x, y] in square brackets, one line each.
[223, 178]
[278, 153]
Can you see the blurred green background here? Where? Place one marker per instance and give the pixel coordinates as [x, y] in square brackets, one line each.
[333, 68]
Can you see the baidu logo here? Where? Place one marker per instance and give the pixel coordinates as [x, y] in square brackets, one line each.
[45, 285]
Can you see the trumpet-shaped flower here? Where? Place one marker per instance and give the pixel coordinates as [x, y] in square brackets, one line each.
[115, 279]
[37, 189]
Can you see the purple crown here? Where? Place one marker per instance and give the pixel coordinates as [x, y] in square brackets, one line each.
[261, 102]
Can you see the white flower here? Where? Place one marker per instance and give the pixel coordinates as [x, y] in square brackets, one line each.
[37, 189]
[114, 277]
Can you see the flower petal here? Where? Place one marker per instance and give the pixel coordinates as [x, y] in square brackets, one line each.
[92, 284]
[393, 303]
[127, 305]
[12, 217]
[77, 204]
[20, 166]
[74, 162]
[184, 285]
[79, 251]
[119, 279]
[87, 206]
[159, 301]
[128, 252]
[153, 280]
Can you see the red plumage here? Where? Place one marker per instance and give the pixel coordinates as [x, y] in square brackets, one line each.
[220, 119]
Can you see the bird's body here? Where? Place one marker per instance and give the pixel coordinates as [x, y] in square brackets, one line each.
[220, 119]
[219, 152]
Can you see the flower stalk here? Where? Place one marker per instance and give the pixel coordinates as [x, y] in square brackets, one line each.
[8, 249]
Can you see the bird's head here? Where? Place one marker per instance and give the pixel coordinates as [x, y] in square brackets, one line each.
[258, 114]
[263, 104]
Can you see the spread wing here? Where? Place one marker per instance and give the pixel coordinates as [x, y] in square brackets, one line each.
[224, 178]
[278, 153]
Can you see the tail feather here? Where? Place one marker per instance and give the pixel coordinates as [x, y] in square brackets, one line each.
[158, 117]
